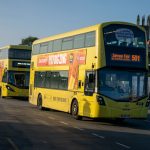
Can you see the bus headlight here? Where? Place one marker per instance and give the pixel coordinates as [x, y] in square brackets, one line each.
[100, 100]
[9, 88]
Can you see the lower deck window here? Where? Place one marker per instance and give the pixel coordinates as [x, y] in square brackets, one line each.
[51, 80]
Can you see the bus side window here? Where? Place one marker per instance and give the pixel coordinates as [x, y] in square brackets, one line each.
[89, 83]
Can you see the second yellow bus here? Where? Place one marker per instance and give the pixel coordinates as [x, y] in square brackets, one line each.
[15, 71]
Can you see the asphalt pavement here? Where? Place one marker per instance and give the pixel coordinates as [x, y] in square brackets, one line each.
[24, 127]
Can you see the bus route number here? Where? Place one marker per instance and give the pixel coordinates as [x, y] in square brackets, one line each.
[136, 58]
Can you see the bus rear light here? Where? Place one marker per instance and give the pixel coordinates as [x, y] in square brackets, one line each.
[100, 100]
[9, 88]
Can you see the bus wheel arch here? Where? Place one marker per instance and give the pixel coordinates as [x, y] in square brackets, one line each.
[39, 102]
[74, 109]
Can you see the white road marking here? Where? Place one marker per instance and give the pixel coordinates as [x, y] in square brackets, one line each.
[42, 122]
[64, 122]
[44, 142]
[78, 128]
[12, 144]
[51, 118]
[125, 146]
[102, 137]
[13, 121]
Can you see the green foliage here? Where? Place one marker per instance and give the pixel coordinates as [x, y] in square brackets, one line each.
[28, 41]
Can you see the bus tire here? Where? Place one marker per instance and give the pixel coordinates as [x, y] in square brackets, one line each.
[75, 110]
[39, 102]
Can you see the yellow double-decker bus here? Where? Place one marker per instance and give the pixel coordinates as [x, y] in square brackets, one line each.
[15, 70]
[98, 71]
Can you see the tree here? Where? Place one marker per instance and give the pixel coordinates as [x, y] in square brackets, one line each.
[28, 41]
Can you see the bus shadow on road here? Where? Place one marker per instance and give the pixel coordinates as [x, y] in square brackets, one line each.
[16, 98]
[130, 123]
[55, 136]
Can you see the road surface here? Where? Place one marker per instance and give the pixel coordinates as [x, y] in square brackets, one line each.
[24, 127]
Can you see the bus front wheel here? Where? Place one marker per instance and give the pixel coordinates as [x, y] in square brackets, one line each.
[39, 102]
[75, 110]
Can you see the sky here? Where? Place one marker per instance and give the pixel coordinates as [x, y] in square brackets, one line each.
[20, 19]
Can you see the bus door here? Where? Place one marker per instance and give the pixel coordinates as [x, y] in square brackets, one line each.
[89, 83]
[89, 89]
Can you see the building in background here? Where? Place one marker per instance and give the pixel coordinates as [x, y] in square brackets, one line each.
[145, 22]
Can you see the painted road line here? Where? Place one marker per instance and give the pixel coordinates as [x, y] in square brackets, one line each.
[12, 144]
[78, 128]
[12, 121]
[52, 118]
[42, 122]
[63, 122]
[125, 146]
[102, 137]
[45, 142]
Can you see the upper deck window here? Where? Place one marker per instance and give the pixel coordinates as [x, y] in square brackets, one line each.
[90, 39]
[15, 54]
[44, 47]
[50, 46]
[19, 54]
[124, 36]
[67, 43]
[36, 49]
[79, 41]
[4, 53]
[57, 45]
